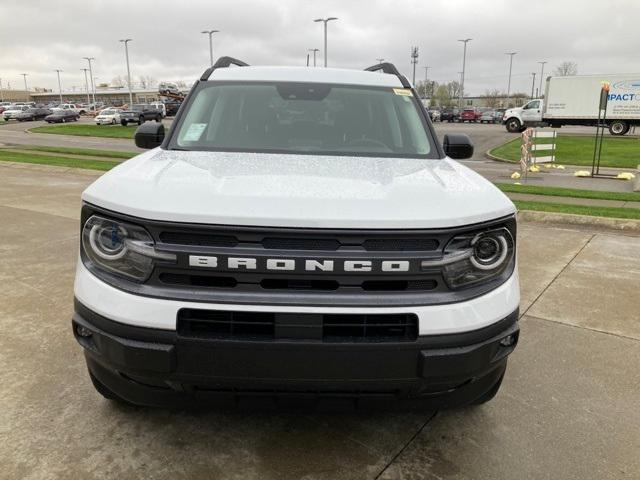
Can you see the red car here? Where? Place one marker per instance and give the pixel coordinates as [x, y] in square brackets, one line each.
[470, 115]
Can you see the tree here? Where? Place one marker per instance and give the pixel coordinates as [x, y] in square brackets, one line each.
[454, 89]
[118, 81]
[492, 98]
[147, 81]
[181, 84]
[426, 90]
[441, 96]
[566, 69]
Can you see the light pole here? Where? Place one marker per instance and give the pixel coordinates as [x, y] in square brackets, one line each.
[533, 83]
[57, 70]
[464, 69]
[414, 61]
[210, 33]
[426, 80]
[24, 75]
[86, 83]
[511, 54]
[380, 60]
[325, 21]
[126, 53]
[541, 76]
[93, 88]
[314, 50]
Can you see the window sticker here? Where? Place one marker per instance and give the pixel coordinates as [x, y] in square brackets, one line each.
[406, 92]
[194, 132]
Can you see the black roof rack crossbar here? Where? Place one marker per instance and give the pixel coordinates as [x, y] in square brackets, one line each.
[222, 62]
[391, 69]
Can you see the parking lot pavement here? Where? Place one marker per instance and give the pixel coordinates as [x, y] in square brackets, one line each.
[568, 407]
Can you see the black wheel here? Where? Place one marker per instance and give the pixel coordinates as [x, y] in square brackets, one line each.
[618, 127]
[158, 118]
[489, 394]
[513, 125]
[141, 120]
[123, 123]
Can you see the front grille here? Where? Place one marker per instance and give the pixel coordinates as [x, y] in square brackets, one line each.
[270, 326]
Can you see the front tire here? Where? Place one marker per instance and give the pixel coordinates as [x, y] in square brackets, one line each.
[513, 125]
[123, 123]
[618, 127]
[140, 120]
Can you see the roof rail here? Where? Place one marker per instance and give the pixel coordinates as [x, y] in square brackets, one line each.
[391, 69]
[222, 62]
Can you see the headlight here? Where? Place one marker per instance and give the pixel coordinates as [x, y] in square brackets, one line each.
[475, 258]
[120, 248]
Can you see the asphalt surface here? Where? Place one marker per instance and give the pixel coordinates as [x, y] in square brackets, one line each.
[484, 137]
[568, 408]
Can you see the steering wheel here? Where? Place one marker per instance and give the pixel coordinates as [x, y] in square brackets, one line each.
[367, 141]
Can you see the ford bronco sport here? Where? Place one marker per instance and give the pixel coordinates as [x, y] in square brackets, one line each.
[298, 233]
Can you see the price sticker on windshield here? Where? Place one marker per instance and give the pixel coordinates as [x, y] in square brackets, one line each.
[405, 92]
[194, 132]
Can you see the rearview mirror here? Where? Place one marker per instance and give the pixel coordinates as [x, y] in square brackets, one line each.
[457, 146]
[149, 135]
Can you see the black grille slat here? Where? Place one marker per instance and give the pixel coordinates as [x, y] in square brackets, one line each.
[295, 243]
[400, 244]
[198, 239]
[264, 326]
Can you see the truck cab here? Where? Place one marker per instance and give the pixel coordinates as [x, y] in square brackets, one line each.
[517, 119]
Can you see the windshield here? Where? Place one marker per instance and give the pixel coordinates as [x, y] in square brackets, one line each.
[108, 112]
[304, 118]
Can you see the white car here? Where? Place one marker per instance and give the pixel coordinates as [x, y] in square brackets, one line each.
[13, 111]
[298, 231]
[108, 116]
[68, 106]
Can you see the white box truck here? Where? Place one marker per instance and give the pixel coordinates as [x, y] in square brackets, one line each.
[574, 100]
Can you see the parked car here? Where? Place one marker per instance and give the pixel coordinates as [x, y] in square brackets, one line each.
[449, 115]
[31, 114]
[470, 115]
[498, 114]
[488, 117]
[62, 116]
[434, 113]
[165, 88]
[172, 108]
[160, 107]
[340, 257]
[68, 106]
[13, 110]
[139, 113]
[108, 116]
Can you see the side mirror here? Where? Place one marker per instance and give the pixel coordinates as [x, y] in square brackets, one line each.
[457, 146]
[149, 135]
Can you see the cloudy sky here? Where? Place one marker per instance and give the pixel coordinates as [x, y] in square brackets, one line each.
[38, 36]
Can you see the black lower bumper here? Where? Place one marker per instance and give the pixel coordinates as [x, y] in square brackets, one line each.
[160, 368]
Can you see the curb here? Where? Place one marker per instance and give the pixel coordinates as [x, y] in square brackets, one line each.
[615, 225]
[489, 156]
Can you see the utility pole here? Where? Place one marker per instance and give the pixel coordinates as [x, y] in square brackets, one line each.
[210, 33]
[126, 53]
[325, 21]
[380, 60]
[59, 84]
[426, 80]
[93, 88]
[533, 83]
[464, 69]
[511, 54]
[314, 50]
[86, 83]
[414, 60]
[541, 76]
[26, 89]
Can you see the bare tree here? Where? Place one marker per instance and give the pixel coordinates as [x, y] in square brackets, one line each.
[441, 96]
[453, 88]
[181, 84]
[118, 81]
[492, 98]
[566, 69]
[147, 81]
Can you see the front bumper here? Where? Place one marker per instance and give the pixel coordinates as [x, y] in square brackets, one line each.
[156, 367]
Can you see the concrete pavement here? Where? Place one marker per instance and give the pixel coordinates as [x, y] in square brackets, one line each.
[568, 407]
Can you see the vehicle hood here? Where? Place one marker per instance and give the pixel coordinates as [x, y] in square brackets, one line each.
[298, 191]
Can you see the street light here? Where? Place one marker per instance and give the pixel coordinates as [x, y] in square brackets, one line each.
[426, 80]
[314, 50]
[325, 21]
[126, 53]
[24, 75]
[93, 89]
[511, 54]
[57, 70]
[86, 83]
[464, 69]
[210, 33]
[541, 76]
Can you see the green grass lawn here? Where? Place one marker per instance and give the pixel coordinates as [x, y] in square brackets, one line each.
[103, 165]
[111, 131]
[616, 152]
[78, 151]
[569, 192]
[628, 213]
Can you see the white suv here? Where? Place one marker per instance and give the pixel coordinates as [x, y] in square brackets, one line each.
[299, 232]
